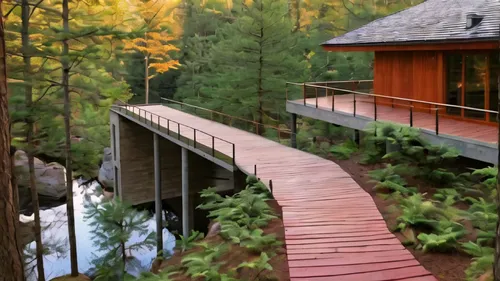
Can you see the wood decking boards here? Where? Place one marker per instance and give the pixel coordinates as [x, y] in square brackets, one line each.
[333, 230]
[401, 115]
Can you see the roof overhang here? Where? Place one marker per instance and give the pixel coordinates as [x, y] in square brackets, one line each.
[489, 44]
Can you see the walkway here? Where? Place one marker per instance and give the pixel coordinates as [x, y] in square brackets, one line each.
[365, 108]
[333, 229]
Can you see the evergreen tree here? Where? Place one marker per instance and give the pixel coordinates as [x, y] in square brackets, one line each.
[113, 223]
[11, 261]
[250, 64]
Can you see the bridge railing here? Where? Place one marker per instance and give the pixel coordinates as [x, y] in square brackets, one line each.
[317, 94]
[178, 130]
[232, 121]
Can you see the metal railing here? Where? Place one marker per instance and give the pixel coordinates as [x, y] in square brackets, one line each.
[174, 129]
[213, 115]
[316, 91]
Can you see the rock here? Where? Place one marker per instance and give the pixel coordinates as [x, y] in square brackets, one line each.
[213, 229]
[50, 179]
[106, 172]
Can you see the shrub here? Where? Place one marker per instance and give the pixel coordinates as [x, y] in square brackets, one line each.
[186, 243]
[344, 150]
[481, 263]
[440, 242]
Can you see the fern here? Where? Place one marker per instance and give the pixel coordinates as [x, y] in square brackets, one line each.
[203, 264]
[345, 150]
[261, 263]
[186, 243]
[394, 187]
[447, 195]
[389, 173]
[476, 250]
[440, 242]
[256, 242]
[479, 266]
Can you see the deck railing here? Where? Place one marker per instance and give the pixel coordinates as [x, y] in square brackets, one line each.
[232, 121]
[361, 90]
[174, 129]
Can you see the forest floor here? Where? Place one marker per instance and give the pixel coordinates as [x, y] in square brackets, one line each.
[445, 266]
[235, 255]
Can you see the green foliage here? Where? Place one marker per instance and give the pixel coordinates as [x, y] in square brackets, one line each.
[113, 224]
[261, 263]
[255, 241]
[483, 214]
[447, 195]
[440, 242]
[389, 179]
[204, 263]
[186, 243]
[416, 211]
[344, 150]
[482, 261]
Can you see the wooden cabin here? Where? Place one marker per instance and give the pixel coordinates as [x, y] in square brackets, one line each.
[442, 51]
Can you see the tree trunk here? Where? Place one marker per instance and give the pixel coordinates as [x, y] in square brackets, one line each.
[261, 65]
[11, 265]
[297, 11]
[67, 130]
[496, 265]
[28, 92]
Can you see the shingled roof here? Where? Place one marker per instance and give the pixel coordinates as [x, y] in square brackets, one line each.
[434, 21]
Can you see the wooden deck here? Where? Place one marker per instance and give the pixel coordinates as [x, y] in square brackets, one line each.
[365, 108]
[333, 228]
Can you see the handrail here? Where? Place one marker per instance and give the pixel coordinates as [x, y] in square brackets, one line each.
[254, 123]
[401, 99]
[340, 81]
[126, 106]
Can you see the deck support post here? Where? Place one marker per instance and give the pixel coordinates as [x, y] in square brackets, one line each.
[185, 194]
[355, 136]
[158, 199]
[294, 130]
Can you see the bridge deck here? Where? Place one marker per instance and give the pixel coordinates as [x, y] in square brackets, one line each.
[333, 229]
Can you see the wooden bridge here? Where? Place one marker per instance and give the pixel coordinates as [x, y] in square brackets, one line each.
[333, 229]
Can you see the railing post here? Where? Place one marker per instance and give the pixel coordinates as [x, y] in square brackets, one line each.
[333, 100]
[437, 120]
[279, 134]
[354, 97]
[271, 186]
[316, 91]
[159, 123]
[375, 108]
[255, 169]
[168, 127]
[257, 128]
[304, 92]
[411, 114]
[178, 131]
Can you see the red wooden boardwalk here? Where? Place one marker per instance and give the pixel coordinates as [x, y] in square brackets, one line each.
[365, 108]
[333, 229]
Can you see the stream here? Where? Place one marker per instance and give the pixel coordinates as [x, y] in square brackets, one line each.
[55, 237]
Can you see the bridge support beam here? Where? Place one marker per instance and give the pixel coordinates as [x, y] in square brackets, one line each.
[186, 214]
[158, 199]
[355, 136]
[294, 130]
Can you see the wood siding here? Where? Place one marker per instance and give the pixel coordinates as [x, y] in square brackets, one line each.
[413, 74]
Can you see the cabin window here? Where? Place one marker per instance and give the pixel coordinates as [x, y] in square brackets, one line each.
[475, 84]
[493, 96]
[471, 81]
[454, 83]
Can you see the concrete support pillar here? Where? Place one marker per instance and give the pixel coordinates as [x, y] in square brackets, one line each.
[185, 194]
[294, 130]
[158, 201]
[355, 136]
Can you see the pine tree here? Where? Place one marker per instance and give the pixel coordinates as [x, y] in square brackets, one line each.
[11, 266]
[248, 68]
[113, 223]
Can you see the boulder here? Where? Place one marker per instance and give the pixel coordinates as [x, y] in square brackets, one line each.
[106, 172]
[50, 179]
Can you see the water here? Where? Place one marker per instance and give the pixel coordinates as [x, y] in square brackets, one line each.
[55, 236]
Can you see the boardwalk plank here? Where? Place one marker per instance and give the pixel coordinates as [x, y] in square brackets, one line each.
[333, 229]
